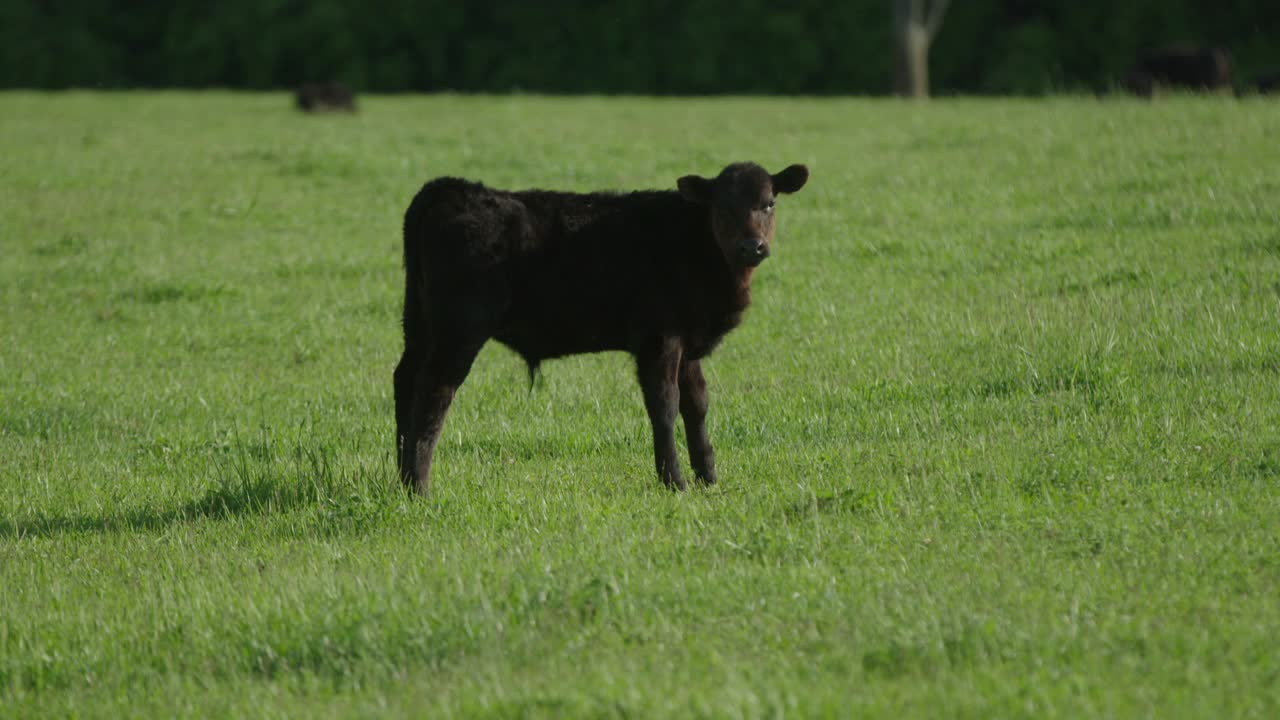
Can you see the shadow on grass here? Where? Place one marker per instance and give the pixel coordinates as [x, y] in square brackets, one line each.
[223, 502]
[841, 502]
[246, 486]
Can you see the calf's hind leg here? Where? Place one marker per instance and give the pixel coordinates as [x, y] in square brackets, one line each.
[404, 383]
[434, 384]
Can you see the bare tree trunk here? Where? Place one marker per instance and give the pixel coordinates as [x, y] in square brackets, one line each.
[911, 66]
[915, 25]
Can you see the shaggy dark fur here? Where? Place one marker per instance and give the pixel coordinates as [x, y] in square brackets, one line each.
[316, 97]
[662, 275]
[1201, 69]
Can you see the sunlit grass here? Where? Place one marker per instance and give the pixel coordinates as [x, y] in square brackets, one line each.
[998, 437]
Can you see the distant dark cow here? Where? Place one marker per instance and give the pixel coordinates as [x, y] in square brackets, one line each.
[661, 274]
[316, 97]
[1201, 69]
[1269, 83]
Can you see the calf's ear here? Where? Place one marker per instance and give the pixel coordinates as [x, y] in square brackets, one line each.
[791, 179]
[695, 189]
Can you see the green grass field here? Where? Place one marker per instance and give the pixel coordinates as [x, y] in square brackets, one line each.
[1000, 435]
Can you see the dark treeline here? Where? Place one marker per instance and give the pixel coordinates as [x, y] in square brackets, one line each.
[595, 46]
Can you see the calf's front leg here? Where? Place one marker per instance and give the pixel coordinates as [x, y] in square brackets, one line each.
[693, 408]
[659, 368]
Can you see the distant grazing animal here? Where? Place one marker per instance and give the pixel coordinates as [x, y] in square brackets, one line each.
[1269, 83]
[1203, 69]
[660, 274]
[316, 97]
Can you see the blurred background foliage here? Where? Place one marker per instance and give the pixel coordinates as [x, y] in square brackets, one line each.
[599, 46]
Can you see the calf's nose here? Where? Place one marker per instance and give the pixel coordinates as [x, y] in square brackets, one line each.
[753, 251]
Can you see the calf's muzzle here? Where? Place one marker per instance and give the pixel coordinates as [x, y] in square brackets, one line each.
[753, 251]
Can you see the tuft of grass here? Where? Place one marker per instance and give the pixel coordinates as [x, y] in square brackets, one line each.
[997, 435]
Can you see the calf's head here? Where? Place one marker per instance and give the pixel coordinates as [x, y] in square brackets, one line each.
[741, 200]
